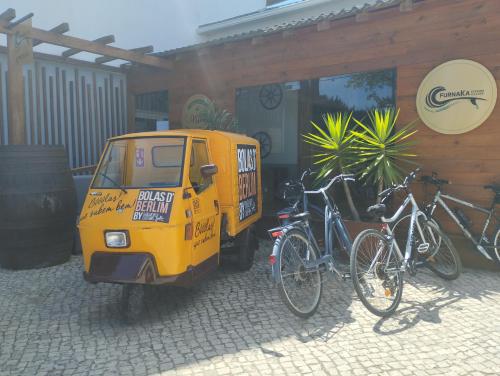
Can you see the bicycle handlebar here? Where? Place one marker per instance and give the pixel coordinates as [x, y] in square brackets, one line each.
[346, 177]
[305, 173]
[434, 180]
[408, 179]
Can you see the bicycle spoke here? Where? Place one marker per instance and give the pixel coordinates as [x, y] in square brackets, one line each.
[375, 271]
[301, 286]
[441, 257]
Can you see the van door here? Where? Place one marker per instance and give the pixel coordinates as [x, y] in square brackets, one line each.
[204, 207]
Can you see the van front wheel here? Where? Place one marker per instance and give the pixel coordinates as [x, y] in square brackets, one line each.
[246, 244]
[132, 302]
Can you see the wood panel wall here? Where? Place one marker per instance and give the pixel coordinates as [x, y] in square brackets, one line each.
[414, 42]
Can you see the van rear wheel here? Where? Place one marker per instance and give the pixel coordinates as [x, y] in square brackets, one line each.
[246, 244]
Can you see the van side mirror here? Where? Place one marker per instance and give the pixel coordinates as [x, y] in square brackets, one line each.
[208, 170]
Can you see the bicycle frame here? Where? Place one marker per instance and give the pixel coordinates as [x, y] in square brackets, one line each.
[333, 225]
[438, 199]
[415, 213]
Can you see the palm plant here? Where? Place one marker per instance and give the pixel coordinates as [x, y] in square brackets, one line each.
[217, 118]
[383, 153]
[335, 152]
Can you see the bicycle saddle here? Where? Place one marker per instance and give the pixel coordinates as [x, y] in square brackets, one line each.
[301, 216]
[286, 211]
[494, 187]
[377, 210]
[433, 180]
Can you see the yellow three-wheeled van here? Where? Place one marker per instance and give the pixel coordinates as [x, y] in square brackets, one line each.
[162, 205]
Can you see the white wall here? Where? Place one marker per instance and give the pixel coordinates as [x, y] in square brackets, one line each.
[165, 24]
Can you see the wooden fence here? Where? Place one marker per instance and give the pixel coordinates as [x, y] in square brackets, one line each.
[76, 106]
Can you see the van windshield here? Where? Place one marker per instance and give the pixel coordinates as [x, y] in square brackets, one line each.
[142, 162]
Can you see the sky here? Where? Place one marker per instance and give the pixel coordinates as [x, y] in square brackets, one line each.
[165, 24]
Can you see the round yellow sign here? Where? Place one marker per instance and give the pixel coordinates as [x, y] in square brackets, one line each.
[191, 112]
[456, 97]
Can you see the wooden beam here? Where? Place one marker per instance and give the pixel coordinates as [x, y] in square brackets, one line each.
[95, 48]
[139, 50]
[69, 60]
[59, 29]
[8, 15]
[15, 95]
[107, 39]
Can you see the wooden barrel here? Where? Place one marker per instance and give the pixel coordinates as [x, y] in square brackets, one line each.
[37, 206]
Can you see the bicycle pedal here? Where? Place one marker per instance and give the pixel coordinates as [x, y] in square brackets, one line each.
[346, 276]
[412, 270]
[423, 248]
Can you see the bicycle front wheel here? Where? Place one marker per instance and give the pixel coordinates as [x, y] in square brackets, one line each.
[375, 272]
[299, 285]
[441, 256]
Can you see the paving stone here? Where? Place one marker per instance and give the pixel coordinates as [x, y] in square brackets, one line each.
[54, 323]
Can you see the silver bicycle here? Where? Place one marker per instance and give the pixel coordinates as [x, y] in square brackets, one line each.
[486, 242]
[378, 263]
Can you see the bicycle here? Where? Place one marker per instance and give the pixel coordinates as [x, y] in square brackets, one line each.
[292, 192]
[297, 260]
[376, 257]
[482, 243]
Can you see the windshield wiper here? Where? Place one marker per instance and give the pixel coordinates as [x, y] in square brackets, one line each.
[112, 181]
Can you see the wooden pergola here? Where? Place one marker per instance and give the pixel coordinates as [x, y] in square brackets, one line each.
[21, 32]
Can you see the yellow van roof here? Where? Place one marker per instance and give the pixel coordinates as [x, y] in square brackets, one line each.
[187, 133]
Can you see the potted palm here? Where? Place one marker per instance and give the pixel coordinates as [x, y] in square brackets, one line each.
[334, 150]
[217, 118]
[383, 153]
[375, 151]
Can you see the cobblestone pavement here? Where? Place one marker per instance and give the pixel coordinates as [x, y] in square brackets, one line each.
[53, 323]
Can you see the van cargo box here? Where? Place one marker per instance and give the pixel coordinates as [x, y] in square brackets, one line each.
[238, 179]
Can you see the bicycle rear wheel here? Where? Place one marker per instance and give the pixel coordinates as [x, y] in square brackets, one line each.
[495, 252]
[441, 257]
[299, 287]
[375, 273]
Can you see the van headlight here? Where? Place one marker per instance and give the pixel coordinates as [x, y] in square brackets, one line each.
[116, 239]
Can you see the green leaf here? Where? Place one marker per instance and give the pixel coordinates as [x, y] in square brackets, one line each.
[381, 151]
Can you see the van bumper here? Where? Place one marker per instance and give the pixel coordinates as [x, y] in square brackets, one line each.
[140, 268]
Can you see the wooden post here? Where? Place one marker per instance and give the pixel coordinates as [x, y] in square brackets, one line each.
[15, 94]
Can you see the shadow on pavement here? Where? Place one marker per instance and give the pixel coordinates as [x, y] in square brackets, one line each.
[412, 312]
[231, 312]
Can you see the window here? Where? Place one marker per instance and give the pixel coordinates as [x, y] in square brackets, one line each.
[110, 172]
[151, 111]
[276, 113]
[356, 92]
[199, 158]
[166, 156]
[142, 162]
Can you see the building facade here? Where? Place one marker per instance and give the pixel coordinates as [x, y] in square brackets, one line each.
[349, 59]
